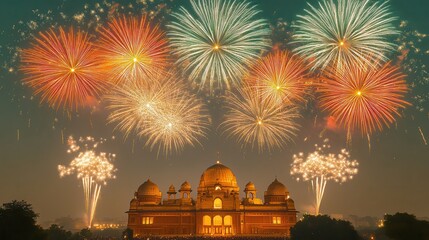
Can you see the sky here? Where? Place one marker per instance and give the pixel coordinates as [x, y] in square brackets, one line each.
[392, 173]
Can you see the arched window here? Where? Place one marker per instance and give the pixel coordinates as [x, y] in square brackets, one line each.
[217, 204]
[217, 221]
[207, 220]
[227, 220]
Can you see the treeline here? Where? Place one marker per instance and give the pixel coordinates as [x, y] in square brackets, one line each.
[18, 221]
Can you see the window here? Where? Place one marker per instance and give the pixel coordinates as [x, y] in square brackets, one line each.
[217, 203]
[227, 220]
[217, 220]
[218, 187]
[277, 220]
[207, 220]
[147, 220]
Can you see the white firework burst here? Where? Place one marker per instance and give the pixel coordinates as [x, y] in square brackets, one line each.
[217, 40]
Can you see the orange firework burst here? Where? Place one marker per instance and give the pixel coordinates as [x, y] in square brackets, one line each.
[63, 69]
[280, 77]
[364, 98]
[131, 49]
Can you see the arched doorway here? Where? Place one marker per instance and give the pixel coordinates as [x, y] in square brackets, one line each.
[217, 225]
[227, 222]
[207, 224]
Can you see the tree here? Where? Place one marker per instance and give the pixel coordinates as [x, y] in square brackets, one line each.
[127, 234]
[404, 226]
[56, 232]
[18, 222]
[84, 234]
[322, 227]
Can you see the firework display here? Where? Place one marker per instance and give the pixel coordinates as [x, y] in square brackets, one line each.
[148, 67]
[93, 167]
[130, 49]
[259, 122]
[364, 99]
[163, 113]
[321, 166]
[63, 68]
[279, 77]
[217, 40]
[339, 32]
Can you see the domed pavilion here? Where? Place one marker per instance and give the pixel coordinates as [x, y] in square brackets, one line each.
[217, 209]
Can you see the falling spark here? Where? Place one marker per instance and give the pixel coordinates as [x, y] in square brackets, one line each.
[423, 136]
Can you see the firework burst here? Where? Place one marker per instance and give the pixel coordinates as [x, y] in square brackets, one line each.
[130, 49]
[320, 167]
[339, 32]
[217, 41]
[163, 113]
[259, 122]
[92, 167]
[364, 98]
[63, 68]
[279, 77]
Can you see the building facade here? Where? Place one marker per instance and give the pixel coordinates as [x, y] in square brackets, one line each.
[216, 211]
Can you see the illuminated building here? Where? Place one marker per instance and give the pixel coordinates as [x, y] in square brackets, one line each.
[217, 209]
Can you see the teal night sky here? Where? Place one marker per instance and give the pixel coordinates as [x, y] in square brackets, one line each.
[393, 173]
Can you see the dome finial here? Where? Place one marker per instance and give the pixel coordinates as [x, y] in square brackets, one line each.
[218, 157]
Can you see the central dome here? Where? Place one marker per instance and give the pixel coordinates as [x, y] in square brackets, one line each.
[148, 188]
[218, 174]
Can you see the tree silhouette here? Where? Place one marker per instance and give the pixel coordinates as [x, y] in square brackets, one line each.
[322, 227]
[18, 222]
[404, 226]
[56, 232]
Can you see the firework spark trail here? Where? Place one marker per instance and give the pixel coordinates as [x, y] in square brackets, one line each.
[320, 167]
[364, 99]
[259, 122]
[217, 41]
[318, 186]
[339, 32]
[62, 67]
[92, 167]
[423, 136]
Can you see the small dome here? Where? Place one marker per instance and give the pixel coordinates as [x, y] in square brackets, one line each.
[277, 188]
[290, 203]
[218, 174]
[171, 189]
[185, 186]
[250, 187]
[148, 188]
